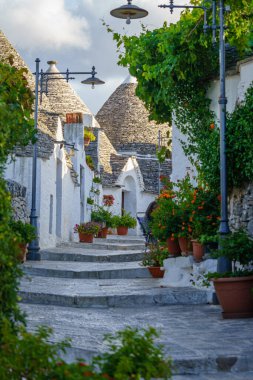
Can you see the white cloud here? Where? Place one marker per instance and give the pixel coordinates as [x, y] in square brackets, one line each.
[46, 24]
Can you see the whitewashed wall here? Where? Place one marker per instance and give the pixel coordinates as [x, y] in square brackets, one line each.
[237, 82]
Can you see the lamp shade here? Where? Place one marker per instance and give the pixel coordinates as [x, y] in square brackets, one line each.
[93, 81]
[129, 12]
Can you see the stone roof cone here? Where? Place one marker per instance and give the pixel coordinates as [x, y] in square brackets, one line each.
[62, 96]
[124, 119]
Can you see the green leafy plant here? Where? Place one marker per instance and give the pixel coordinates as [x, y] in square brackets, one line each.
[87, 228]
[24, 231]
[90, 201]
[88, 134]
[97, 180]
[132, 354]
[90, 162]
[102, 216]
[155, 255]
[125, 220]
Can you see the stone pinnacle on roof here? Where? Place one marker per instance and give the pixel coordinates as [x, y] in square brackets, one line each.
[61, 95]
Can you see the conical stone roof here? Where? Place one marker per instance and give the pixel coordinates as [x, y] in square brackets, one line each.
[124, 119]
[62, 96]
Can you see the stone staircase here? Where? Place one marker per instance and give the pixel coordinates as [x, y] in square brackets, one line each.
[84, 291]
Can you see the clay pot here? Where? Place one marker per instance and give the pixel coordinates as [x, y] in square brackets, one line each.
[156, 272]
[235, 296]
[86, 141]
[173, 246]
[185, 246]
[103, 233]
[198, 250]
[85, 238]
[122, 230]
[22, 252]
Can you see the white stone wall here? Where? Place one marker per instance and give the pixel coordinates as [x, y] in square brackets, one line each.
[237, 83]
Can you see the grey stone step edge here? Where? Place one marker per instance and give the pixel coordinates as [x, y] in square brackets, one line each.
[102, 258]
[107, 246]
[125, 273]
[169, 297]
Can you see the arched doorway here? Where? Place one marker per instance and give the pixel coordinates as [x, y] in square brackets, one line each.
[129, 201]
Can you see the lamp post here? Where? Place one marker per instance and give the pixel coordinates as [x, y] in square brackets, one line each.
[40, 76]
[224, 265]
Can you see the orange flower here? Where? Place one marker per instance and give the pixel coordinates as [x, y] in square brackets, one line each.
[212, 126]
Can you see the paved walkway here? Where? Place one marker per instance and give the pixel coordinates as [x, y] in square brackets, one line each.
[202, 344]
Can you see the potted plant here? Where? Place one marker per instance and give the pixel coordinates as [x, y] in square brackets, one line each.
[25, 233]
[90, 162]
[97, 180]
[165, 221]
[153, 259]
[87, 231]
[88, 136]
[234, 289]
[122, 223]
[104, 218]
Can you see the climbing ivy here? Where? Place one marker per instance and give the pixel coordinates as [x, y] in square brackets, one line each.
[174, 66]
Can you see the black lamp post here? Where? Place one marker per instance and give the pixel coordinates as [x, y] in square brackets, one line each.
[224, 265]
[43, 78]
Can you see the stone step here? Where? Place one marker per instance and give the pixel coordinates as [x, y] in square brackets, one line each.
[201, 344]
[122, 239]
[105, 244]
[90, 255]
[86, 270]
[83, 293]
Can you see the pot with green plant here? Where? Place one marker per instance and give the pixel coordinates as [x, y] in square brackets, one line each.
[234, 289]
[90, 162]
[88, 136]
[123, 222]
[87, 231]
[153, 259]
[25, 233]
[104, 218]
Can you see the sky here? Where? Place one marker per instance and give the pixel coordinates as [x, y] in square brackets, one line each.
[71, 32]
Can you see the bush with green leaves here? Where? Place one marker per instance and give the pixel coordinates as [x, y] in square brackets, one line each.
[125, 220]
[132, 354]
[25, 232]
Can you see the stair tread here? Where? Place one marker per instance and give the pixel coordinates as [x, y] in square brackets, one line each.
[82, 266]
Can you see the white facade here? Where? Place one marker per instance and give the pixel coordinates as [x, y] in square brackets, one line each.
[237, 83]
[60, 201]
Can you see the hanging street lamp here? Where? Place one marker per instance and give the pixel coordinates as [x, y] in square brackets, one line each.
[129, 12]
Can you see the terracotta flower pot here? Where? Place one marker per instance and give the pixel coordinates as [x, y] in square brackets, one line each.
[173, 246]
[86, 141]
[235, 296]
[103, 233]
[156, 272]
[122, 230]
[198, 250]
[85, 238]
[22, 252]
[185, 246]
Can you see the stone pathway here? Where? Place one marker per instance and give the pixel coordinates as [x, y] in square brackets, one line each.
[86, 292]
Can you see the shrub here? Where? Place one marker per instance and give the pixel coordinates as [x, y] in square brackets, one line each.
[126, 220]
[132, 354]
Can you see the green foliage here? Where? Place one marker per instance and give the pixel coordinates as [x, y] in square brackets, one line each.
[16, 128]
[16, 99]
[132, 354]
[103, 216]
[96, 180]
[25, 232]
[237, 247]
[88, 134]
[30, 356]
[125, 220]
[174, 66]
[155, 255]
[90, 162]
